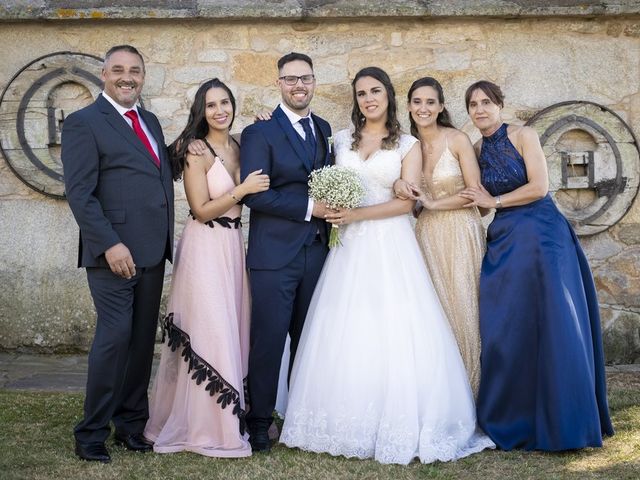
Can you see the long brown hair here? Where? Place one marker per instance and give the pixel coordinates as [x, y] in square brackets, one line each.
[197, 126]
[393, 125]
[444, 119]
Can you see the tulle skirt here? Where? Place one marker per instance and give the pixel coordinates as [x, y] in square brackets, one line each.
[378, 373]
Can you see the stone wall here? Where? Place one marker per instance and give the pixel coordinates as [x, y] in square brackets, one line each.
[540, 52]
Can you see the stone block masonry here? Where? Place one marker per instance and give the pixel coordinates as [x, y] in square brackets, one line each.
[540, 52]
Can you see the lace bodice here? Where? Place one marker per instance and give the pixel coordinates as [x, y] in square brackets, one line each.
[502, 168]
[379, 171]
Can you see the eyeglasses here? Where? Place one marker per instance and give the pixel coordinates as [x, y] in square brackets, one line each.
[293, 79]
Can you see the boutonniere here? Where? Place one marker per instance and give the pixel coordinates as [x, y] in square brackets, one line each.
[330, 143]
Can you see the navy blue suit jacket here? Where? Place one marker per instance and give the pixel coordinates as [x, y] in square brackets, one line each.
[114, 189]
[278, 229]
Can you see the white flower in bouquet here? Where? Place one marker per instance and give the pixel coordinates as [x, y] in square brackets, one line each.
[337, 187]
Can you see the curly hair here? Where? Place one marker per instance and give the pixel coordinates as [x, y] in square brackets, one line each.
[197, 126]
[393, 125]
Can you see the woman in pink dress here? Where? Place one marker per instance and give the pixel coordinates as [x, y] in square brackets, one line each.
[197, 402]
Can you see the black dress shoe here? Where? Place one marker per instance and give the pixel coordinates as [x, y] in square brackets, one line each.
[134, 442]
[93, 452]
[260, 441]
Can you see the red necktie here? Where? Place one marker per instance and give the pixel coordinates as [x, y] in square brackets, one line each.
[133, 116]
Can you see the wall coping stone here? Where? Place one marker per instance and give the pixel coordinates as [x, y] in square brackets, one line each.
[37, 10]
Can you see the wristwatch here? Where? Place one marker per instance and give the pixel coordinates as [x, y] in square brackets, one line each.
[498, 202]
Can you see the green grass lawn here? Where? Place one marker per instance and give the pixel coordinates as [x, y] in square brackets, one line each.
[36, 442]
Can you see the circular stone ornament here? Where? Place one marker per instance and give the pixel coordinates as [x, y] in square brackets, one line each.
[33, 107]
[593, 162]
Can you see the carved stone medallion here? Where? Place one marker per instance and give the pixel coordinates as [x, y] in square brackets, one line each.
[593, 161]
[33, 107]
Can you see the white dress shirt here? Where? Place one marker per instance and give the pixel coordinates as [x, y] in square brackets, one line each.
[122, 110]
[294, 118]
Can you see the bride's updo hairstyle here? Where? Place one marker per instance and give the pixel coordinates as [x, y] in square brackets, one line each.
[490, 89]
[444, 119]
[197, 125]
[393, 126]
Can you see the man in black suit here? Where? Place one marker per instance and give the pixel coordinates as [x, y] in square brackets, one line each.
[287, 232]
[119, 187]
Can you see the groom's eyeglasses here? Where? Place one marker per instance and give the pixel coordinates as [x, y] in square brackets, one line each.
[293, 79]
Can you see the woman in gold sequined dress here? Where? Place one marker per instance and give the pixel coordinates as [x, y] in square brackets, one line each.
[451, 236]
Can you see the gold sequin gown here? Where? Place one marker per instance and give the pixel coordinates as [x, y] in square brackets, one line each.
[453, 244]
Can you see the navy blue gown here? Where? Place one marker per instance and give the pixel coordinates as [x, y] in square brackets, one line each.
[542, 383]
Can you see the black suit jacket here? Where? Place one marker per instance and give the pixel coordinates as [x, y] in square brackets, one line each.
[114, 189]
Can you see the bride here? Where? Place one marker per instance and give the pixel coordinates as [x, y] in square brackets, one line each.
[378, 373]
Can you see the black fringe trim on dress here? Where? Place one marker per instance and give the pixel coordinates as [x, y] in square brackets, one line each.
[203, 371]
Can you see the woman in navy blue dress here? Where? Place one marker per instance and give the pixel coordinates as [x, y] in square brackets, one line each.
[542, 384]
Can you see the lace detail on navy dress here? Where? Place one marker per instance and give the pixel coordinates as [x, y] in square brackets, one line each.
[226, 222]
[502, 168]
[203, 371]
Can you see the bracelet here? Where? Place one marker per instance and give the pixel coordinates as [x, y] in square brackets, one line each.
[234, 197]
[498, 202]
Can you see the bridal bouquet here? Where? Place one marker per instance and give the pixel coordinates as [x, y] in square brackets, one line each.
[338, 187]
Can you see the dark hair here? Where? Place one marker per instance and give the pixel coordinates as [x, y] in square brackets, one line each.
[443, 119]
[123, 48]
[292, 57]
[197, 126]
[358, 119]
[490, 89]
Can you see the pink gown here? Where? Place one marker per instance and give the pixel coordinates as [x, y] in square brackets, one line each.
[197, 403]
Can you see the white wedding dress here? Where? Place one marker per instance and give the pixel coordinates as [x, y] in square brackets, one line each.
[378, 373]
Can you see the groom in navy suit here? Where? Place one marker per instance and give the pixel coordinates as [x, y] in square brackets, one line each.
[119, 186]
[287, 232]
